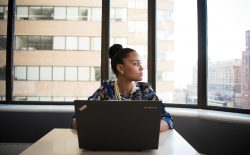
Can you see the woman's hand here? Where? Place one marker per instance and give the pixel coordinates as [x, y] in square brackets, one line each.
[164, 125]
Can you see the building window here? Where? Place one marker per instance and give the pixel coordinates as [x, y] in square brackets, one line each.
[46, 42]
[83, 73]
[32, 73]
[1, 12]
[58, 73]
[35, 13]
[72, 13]
[96, 43]
[46, 73]
[21, 43]
[34, 43]
[22, 13]
[47, 13]
[118, 14]
[71, 43]
[59, 43]
[96, 14]
[20, 73]
[84, 43]
[71, 73]
[3, 41]
[60, 13]
[84, 14]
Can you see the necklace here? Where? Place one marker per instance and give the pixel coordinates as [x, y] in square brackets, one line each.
[117, 91]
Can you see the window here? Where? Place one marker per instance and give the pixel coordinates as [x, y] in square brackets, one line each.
[47, 13]
[96, 14]
[34, 43]
[70, 73]
[84, 14]
[3, 41]
[58, 73]
[32, 73]
[176, 54]
[21, 43]
[72, 13]
[84, 43]
[1, 12]
[60, 13]
[96, 43]
[46, 42]
[118, 14]
[59, 43]
[20, 73]
[228, 54]
[35, 13]
[22, 13]
[71, 43]
[46, 73]
[83, 73]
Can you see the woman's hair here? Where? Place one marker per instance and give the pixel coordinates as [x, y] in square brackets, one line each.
[117, 53]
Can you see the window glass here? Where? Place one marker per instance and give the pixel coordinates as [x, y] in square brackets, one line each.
[34, 43]
[71, 43]
[6, 12]
[3, 41]
[20, 73]
[132, 18]
[72, 13]
[52, 51]
[32, 73]
[84, 14]
[84, 73]
[228, 30]
[70, 73]
[96, 43]
[45, 73]
[22, 13]
[176, 44]
[46, 42]
[84, 43]
[96, 14]
[21, 43]
[58, 73]
[59, 43]
[1, 12]
[47, 13]
[35, 13]
[60, 13]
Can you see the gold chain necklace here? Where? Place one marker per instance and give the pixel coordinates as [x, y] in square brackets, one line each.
[117, 91]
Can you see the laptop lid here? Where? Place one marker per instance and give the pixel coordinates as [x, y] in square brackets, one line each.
[118, 125]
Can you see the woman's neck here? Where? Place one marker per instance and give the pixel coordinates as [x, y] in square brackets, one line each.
[125, 86]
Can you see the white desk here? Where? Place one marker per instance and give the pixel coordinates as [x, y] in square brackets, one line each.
[64, 141]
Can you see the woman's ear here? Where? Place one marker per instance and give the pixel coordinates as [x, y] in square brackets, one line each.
[120, 68]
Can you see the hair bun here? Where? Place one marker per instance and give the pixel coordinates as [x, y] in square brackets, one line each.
[114, 49]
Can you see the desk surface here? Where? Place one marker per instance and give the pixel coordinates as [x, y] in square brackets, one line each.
[64, 141]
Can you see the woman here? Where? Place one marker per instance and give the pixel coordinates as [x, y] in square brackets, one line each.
[127, 67]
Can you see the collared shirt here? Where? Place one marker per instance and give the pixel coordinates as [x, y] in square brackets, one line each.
[143, 92]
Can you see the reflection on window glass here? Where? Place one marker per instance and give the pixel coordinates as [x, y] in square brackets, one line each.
[228, 53]
[176, 51]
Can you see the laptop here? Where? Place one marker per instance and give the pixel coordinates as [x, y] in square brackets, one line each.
[118, 125]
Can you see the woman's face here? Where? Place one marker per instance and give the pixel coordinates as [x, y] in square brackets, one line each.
[132, 67]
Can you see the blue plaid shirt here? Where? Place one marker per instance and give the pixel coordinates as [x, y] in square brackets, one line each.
[143, 92]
